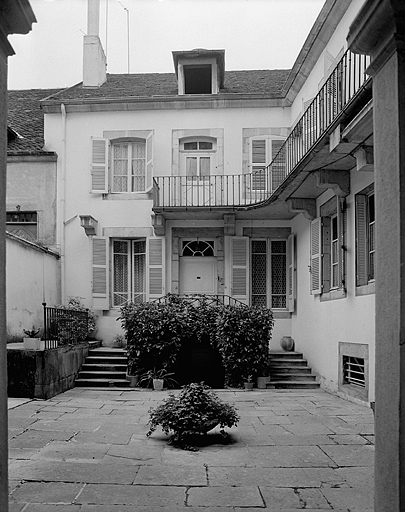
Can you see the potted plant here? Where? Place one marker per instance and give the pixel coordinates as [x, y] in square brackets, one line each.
[248, 382]
[157, 378]
[31, 342]
[193, 412]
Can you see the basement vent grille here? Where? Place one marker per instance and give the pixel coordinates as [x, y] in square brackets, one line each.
[353, 371]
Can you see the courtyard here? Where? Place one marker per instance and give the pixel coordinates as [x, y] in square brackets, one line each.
[86, 451]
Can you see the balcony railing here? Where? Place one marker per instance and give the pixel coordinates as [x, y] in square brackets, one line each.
[341, 88]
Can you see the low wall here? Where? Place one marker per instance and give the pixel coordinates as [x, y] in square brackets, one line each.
[43, 374]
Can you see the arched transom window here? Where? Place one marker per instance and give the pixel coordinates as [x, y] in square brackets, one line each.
[198, 248]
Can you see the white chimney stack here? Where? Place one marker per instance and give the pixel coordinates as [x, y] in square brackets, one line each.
[94, 61]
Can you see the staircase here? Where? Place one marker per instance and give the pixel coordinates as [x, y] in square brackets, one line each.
[104, 367]
[289, 370]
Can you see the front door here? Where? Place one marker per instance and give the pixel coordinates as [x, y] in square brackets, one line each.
[197, 275]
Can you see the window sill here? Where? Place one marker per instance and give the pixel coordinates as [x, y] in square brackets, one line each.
[125, 196]
[333, 295]
[281, 314]
[367, 289]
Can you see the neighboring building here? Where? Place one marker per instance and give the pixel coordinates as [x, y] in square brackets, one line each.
[211, 181]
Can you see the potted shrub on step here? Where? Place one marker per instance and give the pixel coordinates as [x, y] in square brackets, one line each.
[158, 379]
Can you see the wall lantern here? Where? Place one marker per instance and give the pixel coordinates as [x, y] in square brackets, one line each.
[89, 224]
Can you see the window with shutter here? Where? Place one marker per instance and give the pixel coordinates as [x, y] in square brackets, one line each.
[278, 172]
[156, 267]
[100, 273]
[99, 165]
[240, 276]
[316, 256]
[365, 237]
[291, 283]
[258, 164]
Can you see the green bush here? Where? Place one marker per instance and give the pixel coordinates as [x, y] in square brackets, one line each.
[242, 338]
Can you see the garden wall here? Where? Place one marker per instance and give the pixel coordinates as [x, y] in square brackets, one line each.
[44, 373]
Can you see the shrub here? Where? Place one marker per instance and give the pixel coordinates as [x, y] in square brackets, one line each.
[194, 411]
[69, 328]
[243, 336]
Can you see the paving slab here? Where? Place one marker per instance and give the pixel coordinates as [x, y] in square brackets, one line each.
[86, 451]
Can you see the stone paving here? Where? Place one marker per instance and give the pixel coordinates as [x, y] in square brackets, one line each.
[86, 451]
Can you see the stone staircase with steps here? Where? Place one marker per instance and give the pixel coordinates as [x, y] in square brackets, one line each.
[289, 370]
[104, 367]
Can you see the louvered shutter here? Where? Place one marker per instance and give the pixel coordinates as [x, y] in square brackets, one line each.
[342, 214]
[316, 256]
[278, 166]
[361, 240]
[291, 272]
[240, 269]
[99, 166]
[149, 162]
[100, 273]
[258, 151]
[155, 267]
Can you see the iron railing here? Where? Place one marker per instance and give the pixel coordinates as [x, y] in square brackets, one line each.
[342, 87]
[209, 299]
[64, 326]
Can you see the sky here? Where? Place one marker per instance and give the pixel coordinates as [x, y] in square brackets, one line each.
[255, 34]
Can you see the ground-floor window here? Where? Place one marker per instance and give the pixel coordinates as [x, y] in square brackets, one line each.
[269, 273]
[129, 271]
[23, 223]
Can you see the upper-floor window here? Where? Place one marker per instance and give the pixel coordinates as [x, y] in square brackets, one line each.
[122, 163]
[263, 151]
[198, 158]
[129, 166]
[198, 79]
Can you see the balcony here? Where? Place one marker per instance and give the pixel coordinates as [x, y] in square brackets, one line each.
[343, 95]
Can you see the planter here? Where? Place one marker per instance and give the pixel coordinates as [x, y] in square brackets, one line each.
[34, 344]
[249, 386]
[262, 381]
[158, 384]
[133, 380]
[287, 343]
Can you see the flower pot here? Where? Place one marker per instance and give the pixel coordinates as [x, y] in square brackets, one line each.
[158, 384]
[262, 381]
[248, 386]
[287, 343]
[34, 344]
[133, 380]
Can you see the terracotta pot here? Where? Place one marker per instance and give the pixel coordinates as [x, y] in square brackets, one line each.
[287, 343]
[158, 384]
[133, 380]
[262, 381]
[248, 386]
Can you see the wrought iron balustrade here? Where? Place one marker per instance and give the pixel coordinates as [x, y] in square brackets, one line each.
[209, 299]
[340, 89]
[64, 326]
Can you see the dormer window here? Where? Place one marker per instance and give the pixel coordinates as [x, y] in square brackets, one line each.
[199, 71]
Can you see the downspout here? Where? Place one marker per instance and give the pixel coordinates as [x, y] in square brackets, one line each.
[63, 203]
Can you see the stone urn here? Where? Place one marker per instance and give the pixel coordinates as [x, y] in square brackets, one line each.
[287, 343]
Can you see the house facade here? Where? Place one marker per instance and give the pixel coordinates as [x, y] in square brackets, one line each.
[255, 186]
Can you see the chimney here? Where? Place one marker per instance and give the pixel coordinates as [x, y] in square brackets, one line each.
[94, 61]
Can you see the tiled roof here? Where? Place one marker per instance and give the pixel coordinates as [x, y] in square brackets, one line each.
[265, 81]
[27, 119]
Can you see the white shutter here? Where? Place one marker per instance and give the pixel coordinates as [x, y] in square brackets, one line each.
[361, 240]
[149, 162]
[316, 256]
[99, 166]
[278, 172]
[258, 151]
[291, 278]
[155, 260]
[240, 268]
[100, 273]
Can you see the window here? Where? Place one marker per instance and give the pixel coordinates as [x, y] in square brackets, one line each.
[263, 152]
[365, 237]
[327, 248]
[198, 79]
[122, 164]
[129, 167]
[23, 224]
[198, 159]
[198, 248]
[134, 267]
[353, 371]
[269, 273]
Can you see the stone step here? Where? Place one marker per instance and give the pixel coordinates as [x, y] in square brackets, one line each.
[283, 354]
[292, 384]
[106, 351]
[101, 375]
[309, 377]
[106, 360]
[105, 383]
[287, 362]
[290, 369]
[104, 367]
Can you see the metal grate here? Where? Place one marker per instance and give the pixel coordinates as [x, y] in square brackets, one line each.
[353, 371]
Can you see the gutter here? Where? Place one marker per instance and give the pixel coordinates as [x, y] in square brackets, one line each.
[62, 208]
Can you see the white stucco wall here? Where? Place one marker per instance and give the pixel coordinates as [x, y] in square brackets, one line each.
[32, 278]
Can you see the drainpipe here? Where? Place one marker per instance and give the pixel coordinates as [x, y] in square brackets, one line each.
[62, 203]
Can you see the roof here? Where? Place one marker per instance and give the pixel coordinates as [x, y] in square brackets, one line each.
[25, 120]
[265, 81]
